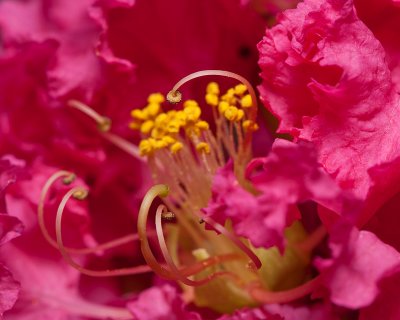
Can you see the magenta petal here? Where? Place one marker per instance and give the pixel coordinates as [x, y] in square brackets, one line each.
[320, 84]
[160, 303]
[10, 228]
[284, 312]
[290, 174]
[360, 260]
[9, 289]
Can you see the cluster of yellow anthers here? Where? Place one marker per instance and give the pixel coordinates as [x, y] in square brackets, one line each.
[163, 130]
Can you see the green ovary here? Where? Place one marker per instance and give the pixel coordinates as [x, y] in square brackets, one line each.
[278, 272]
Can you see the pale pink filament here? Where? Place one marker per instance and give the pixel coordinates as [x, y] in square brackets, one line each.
[68, 178]
[174, 270]
[78, 192]
[256, 261]
[104, 125]
[286, 296]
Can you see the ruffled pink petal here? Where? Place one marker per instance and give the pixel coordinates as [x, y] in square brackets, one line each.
[160, 303]
[320, 84]
[10, 228]
[386, 305]
[383, 19]
[290, 174]
[9, 289]
[359, 261]
[284, 312]
[77, 66]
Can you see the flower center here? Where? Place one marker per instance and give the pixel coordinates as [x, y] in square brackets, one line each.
[217, 269]
[184, 154]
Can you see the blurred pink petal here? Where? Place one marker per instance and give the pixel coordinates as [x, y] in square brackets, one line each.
[359, 261]
[160, 303]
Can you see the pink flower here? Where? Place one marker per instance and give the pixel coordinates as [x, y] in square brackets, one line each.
[289, 242]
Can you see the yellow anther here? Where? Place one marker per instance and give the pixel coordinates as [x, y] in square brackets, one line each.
[229, 96]
[246, 101]
[181, 117]
[190, 103]
[156, 98]
[222, 106]
[146, 127]
[171, 113]
[157, 132]
[153, 109]
[145, 147]
[176, 147]
[240, 89]
[161, 119]
[213, 88]
[203, 147]
[212, 99]
[168, 140]
[231, 113]
[160, 144]
[138, 114]
[250, 125]
[173, 126]
[192, 113]
[202, 125]
[134, 125]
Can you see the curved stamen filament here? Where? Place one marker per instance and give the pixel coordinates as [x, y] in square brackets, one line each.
[255, 260]
[104, 125]
[124, 145]
[80, 193]
[158, 190]
[209, 262]
[162, 191]
[286, 296]
[68, 178]
[174, 270]
[175, 94]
